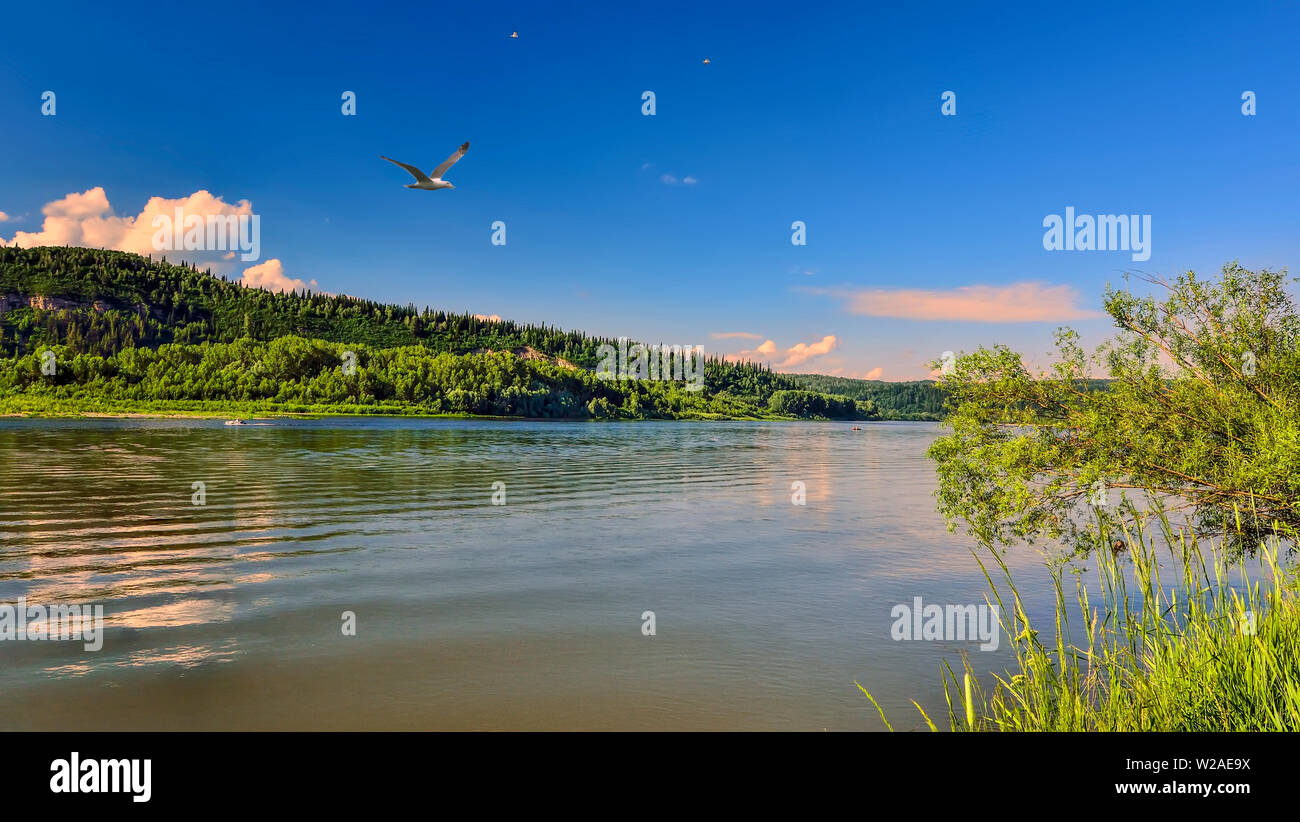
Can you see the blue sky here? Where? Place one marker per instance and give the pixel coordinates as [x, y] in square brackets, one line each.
[824, 113]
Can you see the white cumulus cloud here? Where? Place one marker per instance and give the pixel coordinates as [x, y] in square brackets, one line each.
[270, 275]
[87, 219]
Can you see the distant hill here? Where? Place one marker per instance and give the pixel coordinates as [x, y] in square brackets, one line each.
[918, 400]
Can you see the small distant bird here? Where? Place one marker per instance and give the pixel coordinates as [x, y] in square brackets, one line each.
[706, 61]
[434, 180]
[514, 35]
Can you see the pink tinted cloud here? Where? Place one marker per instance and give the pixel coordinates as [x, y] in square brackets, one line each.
[795, 355]
[1014, 303]
[800, 353]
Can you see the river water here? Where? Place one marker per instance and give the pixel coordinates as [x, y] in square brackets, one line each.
[226, 603]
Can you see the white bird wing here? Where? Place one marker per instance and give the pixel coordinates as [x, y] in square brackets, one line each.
[415, 172]
[450, 161]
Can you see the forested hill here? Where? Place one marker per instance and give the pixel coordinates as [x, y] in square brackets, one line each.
[102, 312]
[100, 302]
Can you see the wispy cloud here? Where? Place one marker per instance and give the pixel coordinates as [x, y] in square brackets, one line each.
[732, 335]
[670, 179]
[874, 374]
[1015, 303]
[4, 218]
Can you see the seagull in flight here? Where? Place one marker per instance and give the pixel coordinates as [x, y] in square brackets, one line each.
[432, 181]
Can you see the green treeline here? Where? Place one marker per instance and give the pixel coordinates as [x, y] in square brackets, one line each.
[296, 374]
[812, 404]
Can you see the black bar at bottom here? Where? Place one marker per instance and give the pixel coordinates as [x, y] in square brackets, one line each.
[924, 771]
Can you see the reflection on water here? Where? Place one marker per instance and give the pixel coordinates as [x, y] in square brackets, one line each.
[472, 615]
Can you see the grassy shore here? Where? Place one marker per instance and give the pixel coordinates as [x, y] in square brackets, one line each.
[1214, 651]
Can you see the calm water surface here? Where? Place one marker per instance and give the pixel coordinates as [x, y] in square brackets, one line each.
[469, 615]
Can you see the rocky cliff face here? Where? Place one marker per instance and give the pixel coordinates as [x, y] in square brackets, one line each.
[8, 302]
